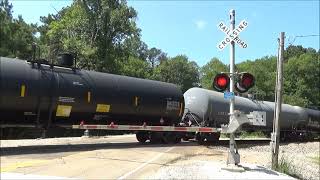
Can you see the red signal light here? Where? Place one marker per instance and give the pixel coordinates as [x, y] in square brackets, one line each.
[246, 81]
[221, 82]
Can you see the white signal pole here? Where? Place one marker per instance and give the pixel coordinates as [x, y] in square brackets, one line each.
[232, 54]
[233, 156]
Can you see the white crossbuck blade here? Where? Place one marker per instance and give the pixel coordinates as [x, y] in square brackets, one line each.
[232, 36]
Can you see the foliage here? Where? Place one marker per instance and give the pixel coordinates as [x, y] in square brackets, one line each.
[302, 80]
[135, 47]
[95, 32]
[264, 71]
[316, 159]
[254, 134]
[136, 67]
[209, 71]
[16, 36]
[286, 167]
[156, 56]
[178, 70]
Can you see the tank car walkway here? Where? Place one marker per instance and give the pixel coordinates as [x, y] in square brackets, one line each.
[119, 157]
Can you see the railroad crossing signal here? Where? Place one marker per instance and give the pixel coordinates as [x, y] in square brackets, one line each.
[232, 36]
[244, 81]
[221, 82]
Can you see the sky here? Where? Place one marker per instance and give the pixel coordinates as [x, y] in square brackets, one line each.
[190, 27]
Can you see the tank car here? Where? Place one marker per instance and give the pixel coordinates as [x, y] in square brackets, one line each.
[209, 108]
[45, 95]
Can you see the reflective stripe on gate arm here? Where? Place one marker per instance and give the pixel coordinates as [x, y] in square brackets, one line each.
[148, 128]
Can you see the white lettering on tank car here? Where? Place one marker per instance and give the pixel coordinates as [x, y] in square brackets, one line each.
[77, 83]
[173, 105]
[66, 99]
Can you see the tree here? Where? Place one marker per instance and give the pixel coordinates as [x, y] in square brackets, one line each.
[178, 70]
[294, 51]
[5, 30]
[69, 34]
[94, 30]
[110, 22]
[136, 67]
[135, 47]
[46, 45]
[264, 71]
[6, 8]
[210, 70]
[156, 56]
[16, 36]
[302, 80]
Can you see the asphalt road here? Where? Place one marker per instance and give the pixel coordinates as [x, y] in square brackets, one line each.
[119, 157]
[116, 157]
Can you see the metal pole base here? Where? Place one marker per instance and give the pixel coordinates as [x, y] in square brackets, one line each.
[233, 168]
[233, 155]
[233, 158]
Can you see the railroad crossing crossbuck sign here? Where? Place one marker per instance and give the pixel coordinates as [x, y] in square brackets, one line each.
[232, 36]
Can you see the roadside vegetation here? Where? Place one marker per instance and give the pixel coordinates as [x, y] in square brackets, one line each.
[255, 134]
[316, 159]
[285, 166]
[246, 134]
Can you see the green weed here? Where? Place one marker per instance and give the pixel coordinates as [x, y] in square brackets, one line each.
[286, 167]
[315, 159]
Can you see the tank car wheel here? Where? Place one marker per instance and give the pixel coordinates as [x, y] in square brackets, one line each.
[213, 137]
[169, 138]
[142, 137]
[200, 138]
[177, 139]
[185, 138]
[155, 137]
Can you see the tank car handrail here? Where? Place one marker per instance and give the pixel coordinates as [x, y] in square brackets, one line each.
[189, 112]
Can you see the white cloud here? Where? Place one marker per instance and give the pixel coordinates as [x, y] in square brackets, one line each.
[201, 24]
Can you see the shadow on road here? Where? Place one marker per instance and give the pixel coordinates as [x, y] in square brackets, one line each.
[45, 149]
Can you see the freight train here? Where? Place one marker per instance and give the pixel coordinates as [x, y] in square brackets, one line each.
[42, 95]
[209, 108]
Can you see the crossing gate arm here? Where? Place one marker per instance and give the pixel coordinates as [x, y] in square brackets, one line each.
[147, 128]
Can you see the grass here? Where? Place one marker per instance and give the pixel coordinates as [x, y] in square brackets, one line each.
[223, 135]
[255, 134]
[316, 159]
[285, 166]
[245, 134]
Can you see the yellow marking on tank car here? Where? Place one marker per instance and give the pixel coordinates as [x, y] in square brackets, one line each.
[103, 108]
[63, 110]
[17, 165]
[181, 110]
[136, 100]
[23, 91]
[89, 97]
